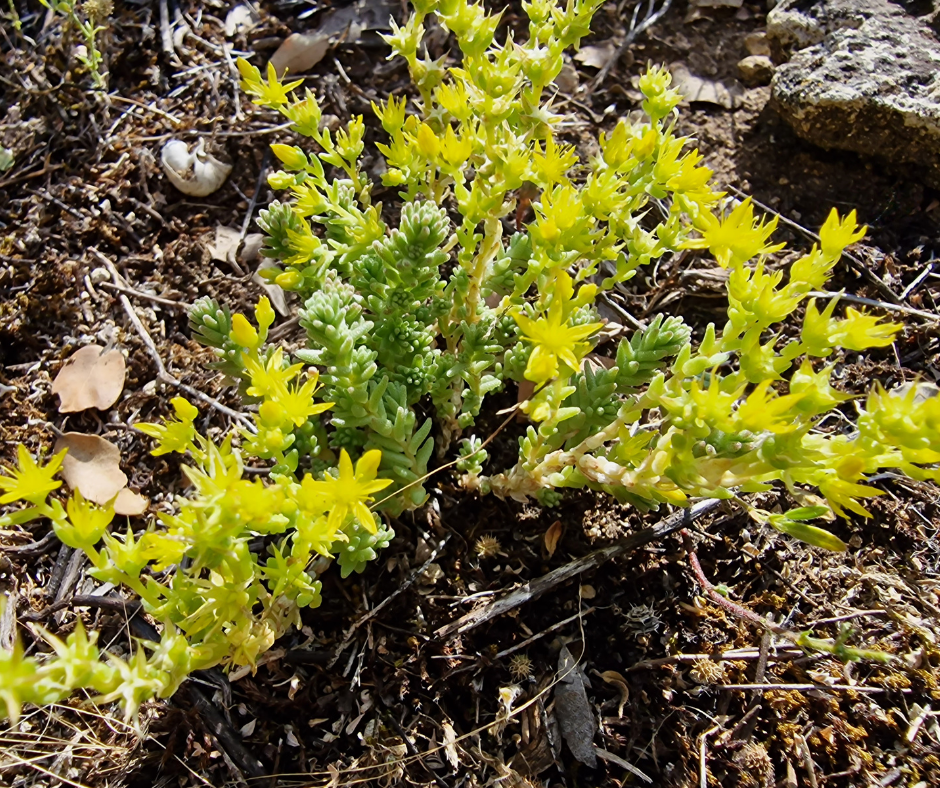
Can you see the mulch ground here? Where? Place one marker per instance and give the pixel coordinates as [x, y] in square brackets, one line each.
[383, 686]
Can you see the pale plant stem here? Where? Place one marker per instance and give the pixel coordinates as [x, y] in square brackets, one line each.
[493, 231]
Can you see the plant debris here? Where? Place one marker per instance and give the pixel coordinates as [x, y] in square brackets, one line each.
[93, 377]
[194, 172]
[92, 466]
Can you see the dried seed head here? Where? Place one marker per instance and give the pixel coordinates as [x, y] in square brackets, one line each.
[755, 764]
[520, 666]
[643, 619]
[98, 10]
[707, 671]
[487, 546]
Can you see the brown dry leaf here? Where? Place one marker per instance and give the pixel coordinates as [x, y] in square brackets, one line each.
[597, 362]
[552, 535]
[91, 378]
[567, 79]
[276, 294]
[729, 95]
[596, 56]
[130, 504]
[225, 247]
[92, 466]
[300, 52]
[251, 248]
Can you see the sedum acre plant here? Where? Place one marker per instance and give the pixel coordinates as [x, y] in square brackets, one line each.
[410, 325]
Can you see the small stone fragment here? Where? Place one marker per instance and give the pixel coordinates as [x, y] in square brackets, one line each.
[757, 43]
[756, 70]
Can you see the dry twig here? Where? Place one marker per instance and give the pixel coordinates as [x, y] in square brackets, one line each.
[537, 587]
[162, 372]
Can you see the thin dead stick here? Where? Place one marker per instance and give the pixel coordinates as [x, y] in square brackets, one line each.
[38, 547]
[854, 299]
[855, 263]
[259, 185]
[372, 613]
[149, 107]
[703, 756]
[130, 607]
[847, 617]
[649, 20]
[228, 740]
[747, 655]
[162, 373]
[166, 35]
[808, 763]
[30, 175]
[804, 687]
[537, 587]
[604, 755]
[544, 632]
[146, 296]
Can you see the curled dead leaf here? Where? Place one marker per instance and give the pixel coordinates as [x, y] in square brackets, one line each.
[240, 19]
[92, 466]
[225, 246]
[92, 378]
[552, 535]
[617, 680]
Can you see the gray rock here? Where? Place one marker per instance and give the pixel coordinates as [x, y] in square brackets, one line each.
[863, 75]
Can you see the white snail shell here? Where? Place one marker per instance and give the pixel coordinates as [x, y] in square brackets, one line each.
[196, 173]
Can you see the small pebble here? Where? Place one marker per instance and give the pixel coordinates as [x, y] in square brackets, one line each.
[757, 43]
[99, 275]
[756, 70]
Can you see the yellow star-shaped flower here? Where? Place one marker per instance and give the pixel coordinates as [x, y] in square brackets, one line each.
[348, 493]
